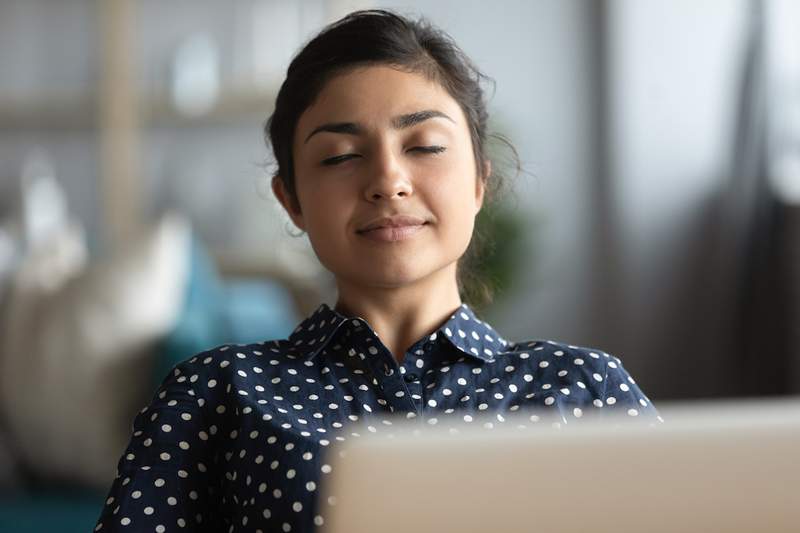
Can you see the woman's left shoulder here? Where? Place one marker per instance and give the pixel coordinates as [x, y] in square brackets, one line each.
[551, 353]
[579, 376]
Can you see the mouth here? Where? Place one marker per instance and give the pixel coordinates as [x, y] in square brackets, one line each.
[392, 234]
[396, 221]
[393, 229]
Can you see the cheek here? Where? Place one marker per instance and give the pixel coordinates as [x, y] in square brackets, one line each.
[454, 207]
[326, 212]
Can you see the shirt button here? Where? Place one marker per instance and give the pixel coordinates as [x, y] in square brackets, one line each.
[410, 378]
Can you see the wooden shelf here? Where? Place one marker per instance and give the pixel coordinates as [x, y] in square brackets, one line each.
[60, 111]
[235, 106]
[74, 111]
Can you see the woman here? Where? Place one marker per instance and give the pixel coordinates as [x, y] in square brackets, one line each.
[379, 133]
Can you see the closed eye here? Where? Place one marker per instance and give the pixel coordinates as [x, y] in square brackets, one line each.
[338, 159]
[346, 157]
[430, 149]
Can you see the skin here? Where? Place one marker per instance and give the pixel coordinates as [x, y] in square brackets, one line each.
[404, 289]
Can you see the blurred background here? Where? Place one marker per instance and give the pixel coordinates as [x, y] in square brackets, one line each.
[657, 216]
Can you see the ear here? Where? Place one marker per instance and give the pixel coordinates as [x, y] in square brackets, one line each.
[480, 185]
[292, 208]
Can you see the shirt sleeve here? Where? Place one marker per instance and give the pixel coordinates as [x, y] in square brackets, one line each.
[622, 396]
[165, 476]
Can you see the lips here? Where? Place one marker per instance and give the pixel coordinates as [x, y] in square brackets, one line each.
[395, 221]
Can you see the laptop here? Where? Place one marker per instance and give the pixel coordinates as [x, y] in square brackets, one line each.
[731, 466]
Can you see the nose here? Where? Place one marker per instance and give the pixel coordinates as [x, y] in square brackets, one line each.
[389, 179]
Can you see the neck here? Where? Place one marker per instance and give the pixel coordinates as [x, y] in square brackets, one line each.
[402, 315]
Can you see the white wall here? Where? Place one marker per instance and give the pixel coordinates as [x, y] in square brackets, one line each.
[673, 74]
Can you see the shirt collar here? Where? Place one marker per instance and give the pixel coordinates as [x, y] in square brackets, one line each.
[464, 330]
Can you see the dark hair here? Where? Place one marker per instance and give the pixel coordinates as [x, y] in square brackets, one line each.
[373, 37]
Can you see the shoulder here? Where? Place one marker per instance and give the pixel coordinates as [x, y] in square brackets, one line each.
[581, 376]
[560, 356]
[234, 364]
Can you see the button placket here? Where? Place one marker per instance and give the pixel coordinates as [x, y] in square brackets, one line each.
[386, 371]
[412, 377]
[413, 385]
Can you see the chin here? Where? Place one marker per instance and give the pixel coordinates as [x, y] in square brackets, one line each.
[392, 278]
[396, 275]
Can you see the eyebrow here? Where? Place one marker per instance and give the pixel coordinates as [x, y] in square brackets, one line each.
[399, 122]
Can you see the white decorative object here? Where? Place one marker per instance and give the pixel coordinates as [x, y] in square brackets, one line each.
[76, 347]
[44, 204]
[195, 76]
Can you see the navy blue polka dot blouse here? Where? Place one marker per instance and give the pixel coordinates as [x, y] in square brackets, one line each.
[234, 438]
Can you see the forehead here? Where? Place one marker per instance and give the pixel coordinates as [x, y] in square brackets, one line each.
[372, 95]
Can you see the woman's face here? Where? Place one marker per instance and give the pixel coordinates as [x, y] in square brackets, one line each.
[380, 143]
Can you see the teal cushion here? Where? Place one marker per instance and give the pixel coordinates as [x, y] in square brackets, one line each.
[65, 511]
[217, 311]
